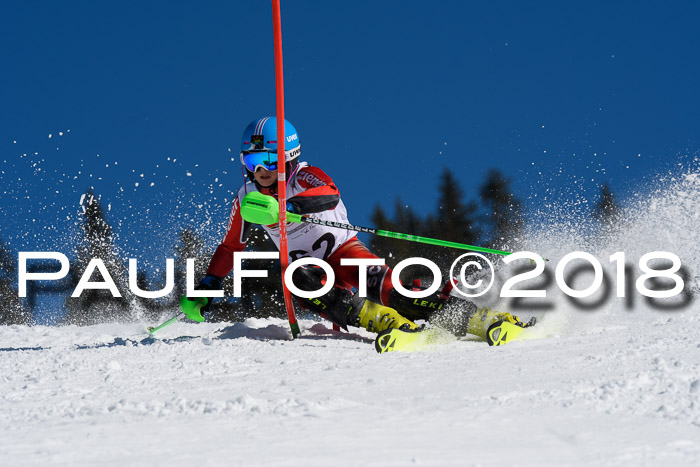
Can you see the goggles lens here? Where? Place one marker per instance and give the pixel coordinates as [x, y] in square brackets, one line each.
[255, 159]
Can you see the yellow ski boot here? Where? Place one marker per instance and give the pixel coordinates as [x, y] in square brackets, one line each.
[378, 318]
[497, 327]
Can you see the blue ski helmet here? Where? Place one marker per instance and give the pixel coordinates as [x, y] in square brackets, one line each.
[259, 144]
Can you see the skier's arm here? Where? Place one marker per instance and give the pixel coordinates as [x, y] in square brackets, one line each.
[235, 239]
[320, 193]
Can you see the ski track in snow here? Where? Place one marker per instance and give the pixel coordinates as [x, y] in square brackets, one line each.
[614, 386]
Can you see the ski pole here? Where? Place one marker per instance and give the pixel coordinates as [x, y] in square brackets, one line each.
[152, 329]
[257, 208]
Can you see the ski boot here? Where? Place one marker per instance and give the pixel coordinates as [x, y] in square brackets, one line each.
[411, 340]
[461, 317]
[343, 308]
[496, 327]
[377, 318]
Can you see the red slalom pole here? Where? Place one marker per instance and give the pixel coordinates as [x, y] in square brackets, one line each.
[281, 164]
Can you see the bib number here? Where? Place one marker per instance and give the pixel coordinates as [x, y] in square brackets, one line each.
[328, 239]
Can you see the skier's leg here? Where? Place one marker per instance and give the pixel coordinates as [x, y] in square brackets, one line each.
[343, 308]
[378, 286]
[374, 315]
[380, 289]
[459, 317]
[455, 315]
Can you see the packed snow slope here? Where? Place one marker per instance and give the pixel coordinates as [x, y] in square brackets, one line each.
[618, 384]
[622, 394]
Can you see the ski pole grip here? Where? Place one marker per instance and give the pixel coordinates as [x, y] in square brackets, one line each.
[192, 307]
[261, 209]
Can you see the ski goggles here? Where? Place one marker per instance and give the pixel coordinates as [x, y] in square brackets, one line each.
[257, 158]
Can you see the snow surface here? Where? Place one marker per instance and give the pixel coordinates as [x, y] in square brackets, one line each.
[617, 385]
[627, 393]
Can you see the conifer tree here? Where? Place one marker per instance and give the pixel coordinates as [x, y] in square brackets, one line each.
[405, 221]
[456, 220]
[606, 211]
[503, 211]
[382, 246]
[94, 306]
[13, 310]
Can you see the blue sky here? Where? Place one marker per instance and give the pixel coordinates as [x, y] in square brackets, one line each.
[561, 96]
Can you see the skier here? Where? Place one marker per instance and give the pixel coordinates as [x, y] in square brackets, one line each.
[312, 192]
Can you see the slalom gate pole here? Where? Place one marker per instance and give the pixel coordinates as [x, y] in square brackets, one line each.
[281, 164]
